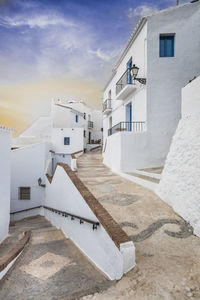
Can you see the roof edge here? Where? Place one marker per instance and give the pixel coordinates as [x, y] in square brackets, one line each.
[132, 38]
[4, 128]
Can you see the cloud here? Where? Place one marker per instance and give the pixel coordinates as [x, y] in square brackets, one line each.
[100, 54]
[40, 21]
[141, 11]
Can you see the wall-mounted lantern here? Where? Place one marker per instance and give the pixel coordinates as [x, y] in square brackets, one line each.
[40, 182]
[134, 72]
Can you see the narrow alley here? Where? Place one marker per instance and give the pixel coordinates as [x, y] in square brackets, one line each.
[167, 252]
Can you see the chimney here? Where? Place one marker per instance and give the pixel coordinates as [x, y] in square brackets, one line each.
[177, 2]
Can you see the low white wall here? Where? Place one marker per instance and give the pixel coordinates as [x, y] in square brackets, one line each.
[28, 164]
[179, 185]
[3, 273]
[76, 140]
[4, 183]
[191, 98]
[127, 151]
[95, 244]
[89, 147]
[62, 158]
[112, 154]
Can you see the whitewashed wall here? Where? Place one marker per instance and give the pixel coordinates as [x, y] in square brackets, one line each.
[167, 76]
[4, 183]
[98, 124]
[39, 131]
[76, 140]
[64, 117]
[120, 149]
[40, 128]
[179, 185]
[95, 244]
[138, 52]
[28, 164]
[191, 98]
[112, 154]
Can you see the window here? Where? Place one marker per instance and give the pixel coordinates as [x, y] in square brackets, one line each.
[84, 116]
[167, 45]
[76, 118]
[24, 193]
[84, 133]
[66, 141]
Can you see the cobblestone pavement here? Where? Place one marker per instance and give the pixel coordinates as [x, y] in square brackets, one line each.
[167, 252]
[50, 267]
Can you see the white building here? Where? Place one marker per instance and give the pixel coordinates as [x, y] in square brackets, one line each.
[72, 126]
[179, 186]
[165, 48]
[5, 150]
[80, 123]
[28, 165]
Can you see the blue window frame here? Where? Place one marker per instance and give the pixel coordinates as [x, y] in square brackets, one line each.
[167, 45]
[76, 118]
[66, 140]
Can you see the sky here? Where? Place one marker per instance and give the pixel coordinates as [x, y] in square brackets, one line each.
[61, 49]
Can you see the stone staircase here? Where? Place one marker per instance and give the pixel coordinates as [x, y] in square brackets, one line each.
[148, 178]
[50, 266]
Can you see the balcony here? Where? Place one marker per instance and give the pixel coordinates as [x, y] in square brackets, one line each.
[134, 127]
[107, 106]
[124, 86]
[90, 124]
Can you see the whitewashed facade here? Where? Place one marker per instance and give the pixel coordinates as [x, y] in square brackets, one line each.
[152, 110]
[48, 141]
[73, 115]
[75, 120]
[28, 164]
[5, 169]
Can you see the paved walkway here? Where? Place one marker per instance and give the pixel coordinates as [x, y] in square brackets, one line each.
[167, 252]
[50, 267]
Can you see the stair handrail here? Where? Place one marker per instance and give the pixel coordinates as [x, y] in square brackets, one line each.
[63, 213]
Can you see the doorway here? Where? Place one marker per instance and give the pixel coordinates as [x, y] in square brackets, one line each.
[89, 138]
[129, 117]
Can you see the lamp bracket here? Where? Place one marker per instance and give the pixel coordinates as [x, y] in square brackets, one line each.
[141, 80]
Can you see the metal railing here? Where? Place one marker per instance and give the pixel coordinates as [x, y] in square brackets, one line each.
[107, 104]
[127, 126]
[62, 213]
[90, 124]
[123, 81]
[72, 216]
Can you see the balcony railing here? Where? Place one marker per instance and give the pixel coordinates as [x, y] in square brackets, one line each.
[123, 81]
[127, 126]
[90, 124]
[107, 105]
